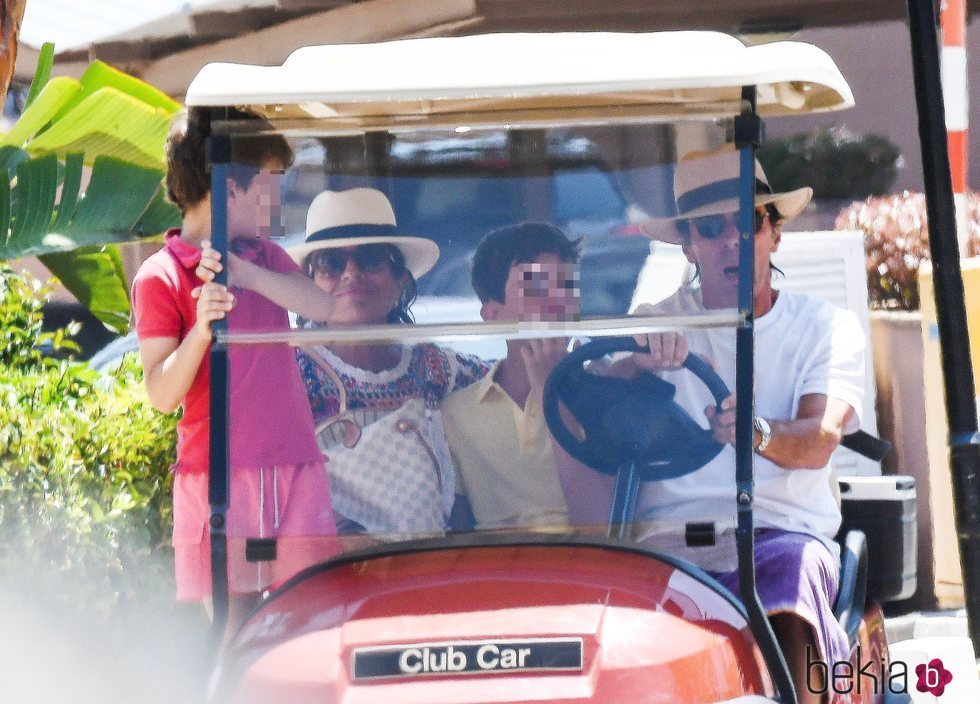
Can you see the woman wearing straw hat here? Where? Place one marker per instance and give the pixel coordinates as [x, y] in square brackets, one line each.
[809, 357]
[355, 253]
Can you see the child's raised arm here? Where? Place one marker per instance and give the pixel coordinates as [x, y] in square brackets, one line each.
[292, 290]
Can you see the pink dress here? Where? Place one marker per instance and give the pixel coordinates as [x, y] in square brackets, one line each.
[279, 487]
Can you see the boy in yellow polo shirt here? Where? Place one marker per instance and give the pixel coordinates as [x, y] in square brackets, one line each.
[508, 466]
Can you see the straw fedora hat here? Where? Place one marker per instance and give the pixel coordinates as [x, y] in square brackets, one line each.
[361, 216]
[707, 183]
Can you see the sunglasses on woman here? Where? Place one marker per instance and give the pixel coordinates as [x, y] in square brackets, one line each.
[369, 258]
[711, 227]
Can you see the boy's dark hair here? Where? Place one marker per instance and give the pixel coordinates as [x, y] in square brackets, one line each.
[188, 177]
[521, 243]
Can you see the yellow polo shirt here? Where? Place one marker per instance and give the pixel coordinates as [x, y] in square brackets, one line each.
[505, 462]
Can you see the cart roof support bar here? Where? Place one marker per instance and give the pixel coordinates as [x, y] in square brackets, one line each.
[954, 340]
[748, 136]
[219, 148]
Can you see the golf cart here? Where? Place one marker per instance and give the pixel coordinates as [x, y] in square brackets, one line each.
[561, 611]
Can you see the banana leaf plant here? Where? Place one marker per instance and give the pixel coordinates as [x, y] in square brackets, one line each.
[84, 168]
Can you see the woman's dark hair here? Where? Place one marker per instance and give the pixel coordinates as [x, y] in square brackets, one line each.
[402, 312]
[521, 243]
[188, 177]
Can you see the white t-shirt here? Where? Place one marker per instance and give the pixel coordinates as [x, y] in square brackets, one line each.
[802, 346]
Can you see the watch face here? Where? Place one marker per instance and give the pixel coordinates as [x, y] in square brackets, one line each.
[762, 425]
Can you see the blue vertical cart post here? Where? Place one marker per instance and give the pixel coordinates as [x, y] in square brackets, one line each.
[219, 154]
[748, 136]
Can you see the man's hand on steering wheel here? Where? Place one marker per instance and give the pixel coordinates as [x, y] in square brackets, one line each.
[668, 350]
[722, 422]
[626, 421]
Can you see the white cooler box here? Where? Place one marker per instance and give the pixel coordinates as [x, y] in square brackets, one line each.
[884, 509]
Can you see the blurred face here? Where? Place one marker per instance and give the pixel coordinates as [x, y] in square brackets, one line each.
[364, 282]
[255, 211]
[545, 290]
[713, 246]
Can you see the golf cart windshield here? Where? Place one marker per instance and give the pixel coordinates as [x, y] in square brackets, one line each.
[421, 397]
[439, 427]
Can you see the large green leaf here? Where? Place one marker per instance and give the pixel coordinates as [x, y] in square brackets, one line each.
[45, 61]
[108, 123]
[96, 277]
[10, 158]
[123, 202]
[110, 128]
[52, 98]
[70, 188]
[100, 75]
[33, 200]
[106, 113]
[118, 194]
[160, 215]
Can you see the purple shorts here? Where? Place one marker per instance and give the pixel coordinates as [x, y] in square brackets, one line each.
[796, 573]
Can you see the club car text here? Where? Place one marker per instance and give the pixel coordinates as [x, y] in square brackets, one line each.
[468, 658]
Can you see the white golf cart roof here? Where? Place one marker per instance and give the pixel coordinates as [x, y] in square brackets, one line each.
[527, 79]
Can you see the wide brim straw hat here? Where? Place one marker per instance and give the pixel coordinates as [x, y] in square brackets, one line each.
[361, 216]
[707, 183]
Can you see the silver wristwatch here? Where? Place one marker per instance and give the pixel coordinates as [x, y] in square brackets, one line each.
[765, 432]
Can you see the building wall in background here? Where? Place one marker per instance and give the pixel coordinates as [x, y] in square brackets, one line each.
[876, 60]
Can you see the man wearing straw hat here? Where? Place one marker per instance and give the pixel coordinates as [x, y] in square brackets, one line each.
[809, 357]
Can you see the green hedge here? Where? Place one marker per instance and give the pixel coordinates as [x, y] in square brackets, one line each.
[85, 491]
[835, 163]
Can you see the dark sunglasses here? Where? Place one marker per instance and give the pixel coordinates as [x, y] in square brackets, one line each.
[712, 226]
[369, 258]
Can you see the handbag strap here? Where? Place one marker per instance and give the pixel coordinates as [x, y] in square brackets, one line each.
[314, 354]
[352, 433]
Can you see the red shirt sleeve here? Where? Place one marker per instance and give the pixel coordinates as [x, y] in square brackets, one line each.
[278, 259]
[156, 310]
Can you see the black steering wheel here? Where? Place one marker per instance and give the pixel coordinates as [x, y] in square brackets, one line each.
[629, 421]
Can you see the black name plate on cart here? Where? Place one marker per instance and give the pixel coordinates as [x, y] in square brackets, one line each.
[550, 654]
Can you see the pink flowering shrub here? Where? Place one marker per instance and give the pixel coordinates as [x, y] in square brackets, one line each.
[897, 242]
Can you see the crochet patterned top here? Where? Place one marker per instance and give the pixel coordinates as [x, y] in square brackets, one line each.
[424, 371]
